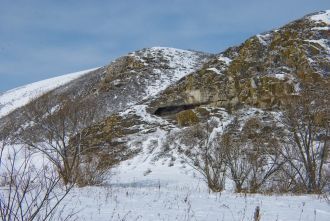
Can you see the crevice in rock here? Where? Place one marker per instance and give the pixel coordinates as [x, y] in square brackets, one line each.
[169, 110]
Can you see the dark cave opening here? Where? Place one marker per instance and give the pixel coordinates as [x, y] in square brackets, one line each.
[169, 110]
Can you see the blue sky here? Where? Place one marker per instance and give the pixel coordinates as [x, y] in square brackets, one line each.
[44, 38]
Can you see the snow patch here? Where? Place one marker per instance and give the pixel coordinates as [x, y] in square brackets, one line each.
[323, 16]
[323, 42]
[264, 38]
[325, 28]
[150, 201]
[215, 71]
[180, 63]
[280, 76]
[224, 59]
[253, 83]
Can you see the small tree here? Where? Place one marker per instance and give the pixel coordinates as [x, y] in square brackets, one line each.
[262, 152]
[251, 154]
[205, 155]
[53, 122]
[236, 160]
[27, 192]
[307, 148]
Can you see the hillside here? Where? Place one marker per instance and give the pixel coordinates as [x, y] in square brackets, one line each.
[147, 116]
[18, 97]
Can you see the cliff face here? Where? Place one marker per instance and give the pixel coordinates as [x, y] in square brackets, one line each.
[250, 80]
[147, 96]
[262, 70]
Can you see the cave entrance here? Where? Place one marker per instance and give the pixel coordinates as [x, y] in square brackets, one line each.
[169, 110]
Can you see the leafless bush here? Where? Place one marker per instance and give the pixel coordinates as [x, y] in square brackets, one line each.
[52, 127]
[28, 192]
[251, 155]
[90, 171]
[307, 148]
[204, 154]
[236, 161]
[262, 152]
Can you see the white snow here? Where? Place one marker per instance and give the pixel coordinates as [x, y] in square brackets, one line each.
[147, 202]
[325, 28]
[322, 17]
[147, 190]
[324, 43]
[263, 38]
[215, 71]
[20, 96]
[224, 59]
[310, 60]
[280, 76]
[140, 110]
[253, 83]
[180, 62]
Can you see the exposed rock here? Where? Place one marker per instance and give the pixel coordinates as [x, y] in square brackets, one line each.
[161, 89]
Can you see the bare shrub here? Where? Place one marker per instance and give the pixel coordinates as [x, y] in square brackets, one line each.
[262, 152]
[236, 161]
[53, 122]
[28, 192]
[307, 148]
[204, 154]
[90, 171]
[251, 155]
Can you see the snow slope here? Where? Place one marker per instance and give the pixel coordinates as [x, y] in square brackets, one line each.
[167, 190]
[151, 188]
[20, 96]
[323, 16]
[180, 63]
[148, 202]
[141, 189]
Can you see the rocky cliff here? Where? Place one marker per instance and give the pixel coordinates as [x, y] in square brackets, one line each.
[143, 99]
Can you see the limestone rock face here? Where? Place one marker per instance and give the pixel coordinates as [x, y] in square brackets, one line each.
[149, 94]
[261, 71]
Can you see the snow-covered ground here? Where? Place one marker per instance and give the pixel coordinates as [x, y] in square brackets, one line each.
[169, 190]
[158, 191]
[149, 188]
[20, 96]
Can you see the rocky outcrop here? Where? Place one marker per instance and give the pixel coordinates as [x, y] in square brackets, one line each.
[258, 74]
[165, 89]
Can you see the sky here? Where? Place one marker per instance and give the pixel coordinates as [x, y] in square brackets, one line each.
[40, 39]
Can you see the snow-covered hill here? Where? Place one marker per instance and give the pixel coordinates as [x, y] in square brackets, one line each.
[20, 96]
[142, 95]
